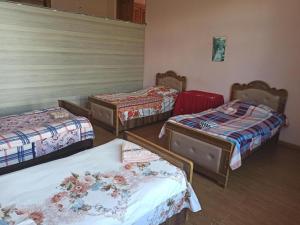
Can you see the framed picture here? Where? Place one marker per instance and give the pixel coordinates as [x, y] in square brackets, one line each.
[219, 45]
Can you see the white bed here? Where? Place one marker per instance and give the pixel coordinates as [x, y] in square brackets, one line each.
[94, 187]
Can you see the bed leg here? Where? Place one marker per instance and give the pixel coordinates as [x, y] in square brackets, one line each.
[169, 137]
[275, 139]
[223, 181]
[225, 184]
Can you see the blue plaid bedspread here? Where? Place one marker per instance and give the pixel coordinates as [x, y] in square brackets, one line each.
[21, 135]
[244, 124]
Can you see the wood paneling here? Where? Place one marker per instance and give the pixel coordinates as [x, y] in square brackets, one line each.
[125, 10]
[139, 13]
[99, 8]
[46, 55]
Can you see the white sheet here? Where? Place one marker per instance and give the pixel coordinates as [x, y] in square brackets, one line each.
[123, 194]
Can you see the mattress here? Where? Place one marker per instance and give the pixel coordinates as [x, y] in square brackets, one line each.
[94, 187]
[30, 135]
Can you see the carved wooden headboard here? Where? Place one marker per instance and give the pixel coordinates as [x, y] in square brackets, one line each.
[172, 80]
[259, 92]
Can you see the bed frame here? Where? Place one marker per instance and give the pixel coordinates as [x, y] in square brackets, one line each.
[177, 160]
[64, 152]
[105, 114]
[211, 155]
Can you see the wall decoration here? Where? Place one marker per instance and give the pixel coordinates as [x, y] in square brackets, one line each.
[219, 45]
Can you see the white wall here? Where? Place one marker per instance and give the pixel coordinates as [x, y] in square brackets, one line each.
[263, 43]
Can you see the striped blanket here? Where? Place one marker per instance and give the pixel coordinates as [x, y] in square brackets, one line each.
[244, 124]
[142, 103]
[29, 135]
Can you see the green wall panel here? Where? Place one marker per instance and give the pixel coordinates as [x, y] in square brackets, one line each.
[47, 55]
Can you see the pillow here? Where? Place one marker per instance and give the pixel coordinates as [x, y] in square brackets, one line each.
[59, 114]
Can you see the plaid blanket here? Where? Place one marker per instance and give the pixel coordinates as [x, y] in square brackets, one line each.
[24, 136]
[244, 124]
[142, 103]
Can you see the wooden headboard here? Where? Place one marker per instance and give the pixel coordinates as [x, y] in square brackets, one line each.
[172, 80]
[259, 92]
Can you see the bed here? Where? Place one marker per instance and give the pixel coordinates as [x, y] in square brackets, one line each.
[219, 139]
[35, 137]
[94, 187]
[123, 111]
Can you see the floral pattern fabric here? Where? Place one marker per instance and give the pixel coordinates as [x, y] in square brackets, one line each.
[57, 142]
[142, 103]
[36, 118]
[102, 197]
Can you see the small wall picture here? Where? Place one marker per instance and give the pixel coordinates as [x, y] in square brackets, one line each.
[219, 45]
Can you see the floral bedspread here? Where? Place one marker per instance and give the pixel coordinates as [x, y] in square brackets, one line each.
[142, 103]
[94, 187]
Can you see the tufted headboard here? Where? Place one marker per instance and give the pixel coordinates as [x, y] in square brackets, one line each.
[260, 92]
[172, 80]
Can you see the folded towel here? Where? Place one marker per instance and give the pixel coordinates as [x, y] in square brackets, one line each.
[132, 153]
[130, 146]
[207, 124]
[59, 115]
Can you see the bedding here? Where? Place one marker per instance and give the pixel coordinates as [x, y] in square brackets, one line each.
[132, 153]
[94, 187]
[27, 136]
[242, 123]
[142, 103]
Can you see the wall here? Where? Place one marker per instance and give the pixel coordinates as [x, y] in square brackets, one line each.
[47, 55]
[100, 8]
[263, 43]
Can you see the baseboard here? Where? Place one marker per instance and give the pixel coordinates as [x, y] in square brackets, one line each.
[289, 145]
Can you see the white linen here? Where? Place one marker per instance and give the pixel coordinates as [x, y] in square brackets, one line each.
[34, 191]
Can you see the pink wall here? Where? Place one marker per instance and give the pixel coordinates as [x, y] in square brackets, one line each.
[263, 43]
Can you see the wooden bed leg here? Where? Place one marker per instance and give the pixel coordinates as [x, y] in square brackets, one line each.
[275, 139]
[169, 137]
[222, 181]
[226, 179]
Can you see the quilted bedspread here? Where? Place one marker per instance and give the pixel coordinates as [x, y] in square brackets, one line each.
[244, 124]
[29, 135]
[142, 103]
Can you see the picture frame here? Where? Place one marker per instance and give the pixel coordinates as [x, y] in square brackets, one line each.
[219, 47]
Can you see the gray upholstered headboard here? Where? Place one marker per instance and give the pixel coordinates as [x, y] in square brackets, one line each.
[172, 80]
[259, 92]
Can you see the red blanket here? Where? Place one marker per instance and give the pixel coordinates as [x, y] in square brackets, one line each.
[189, 102]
